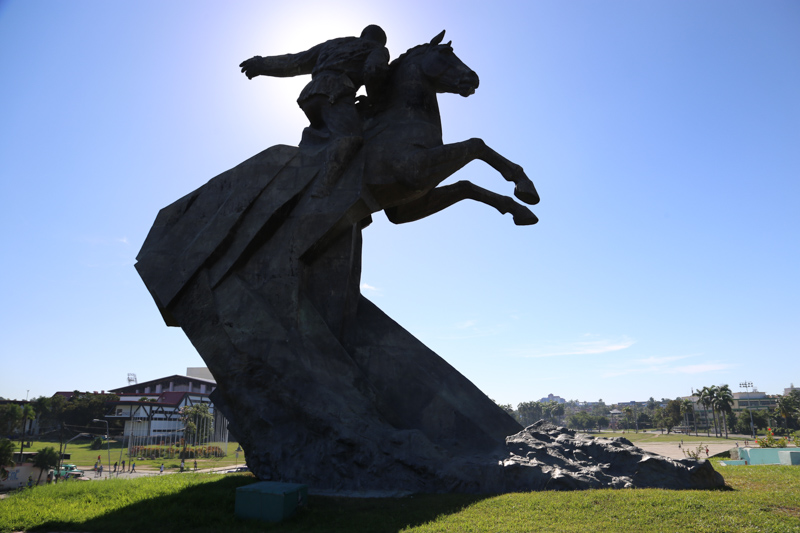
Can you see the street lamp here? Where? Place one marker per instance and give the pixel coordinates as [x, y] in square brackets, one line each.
[108, 446]
[61, 458]
[748, 385]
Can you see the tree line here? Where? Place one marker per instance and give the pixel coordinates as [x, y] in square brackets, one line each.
[54, 413]
[713, 403]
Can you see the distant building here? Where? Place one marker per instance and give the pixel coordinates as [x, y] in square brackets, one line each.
[753, 400]
[151, 410]
[553, 398]
[176, 383]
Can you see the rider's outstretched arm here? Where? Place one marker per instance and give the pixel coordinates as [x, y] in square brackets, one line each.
[283, 66]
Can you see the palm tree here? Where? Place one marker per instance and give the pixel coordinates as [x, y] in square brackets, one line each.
[628, 413]
[687, 407]
[45, 459]
[529, 412]
[785, 408]
[724, 401]
[6, 454]
[651, 405]
[6, 457]
[717, 425]
[704, 398]
[27, 414]
[557, 411]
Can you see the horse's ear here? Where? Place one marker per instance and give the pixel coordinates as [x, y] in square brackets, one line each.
[450, 44]
[438, 39]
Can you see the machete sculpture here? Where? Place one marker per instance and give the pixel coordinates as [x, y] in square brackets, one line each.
[261, 269]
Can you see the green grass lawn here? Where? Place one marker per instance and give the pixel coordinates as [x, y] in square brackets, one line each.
[83, 456]
[758, 498]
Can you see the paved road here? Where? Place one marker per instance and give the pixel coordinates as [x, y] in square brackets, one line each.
[150, 471]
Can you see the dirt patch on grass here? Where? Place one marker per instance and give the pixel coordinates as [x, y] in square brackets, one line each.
[787, 511]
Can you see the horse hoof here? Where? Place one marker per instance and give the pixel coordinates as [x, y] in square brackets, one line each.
[526, 192]
[525, 219]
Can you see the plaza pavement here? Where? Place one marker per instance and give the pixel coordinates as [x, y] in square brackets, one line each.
[671, 450]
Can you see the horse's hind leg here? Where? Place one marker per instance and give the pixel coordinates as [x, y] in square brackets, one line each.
[442, 197]
[437, 164]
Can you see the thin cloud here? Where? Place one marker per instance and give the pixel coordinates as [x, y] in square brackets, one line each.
[586, 348]
[663, 365]
[700, 369]
[661, 360]
[368, 287]
[469, 329]
[626, 372]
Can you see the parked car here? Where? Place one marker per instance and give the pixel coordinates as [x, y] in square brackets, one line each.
[68, 471]
[238, 469]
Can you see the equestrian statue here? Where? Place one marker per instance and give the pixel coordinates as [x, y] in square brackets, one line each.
[261, 268]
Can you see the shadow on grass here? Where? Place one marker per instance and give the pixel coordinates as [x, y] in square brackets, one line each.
[209, 507]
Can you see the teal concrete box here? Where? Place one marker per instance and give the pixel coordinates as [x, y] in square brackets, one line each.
[767, 456]
[270, 501]
[789, 457]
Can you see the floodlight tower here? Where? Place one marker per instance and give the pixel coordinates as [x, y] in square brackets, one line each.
[748, 385]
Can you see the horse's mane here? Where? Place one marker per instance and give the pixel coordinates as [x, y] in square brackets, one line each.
[377, 105]
[411, 52]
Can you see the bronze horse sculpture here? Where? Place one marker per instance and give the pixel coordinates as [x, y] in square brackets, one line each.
[261, 269]
[408, 128]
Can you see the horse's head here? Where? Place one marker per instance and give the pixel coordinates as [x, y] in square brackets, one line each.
[441, 67]
[447, 72]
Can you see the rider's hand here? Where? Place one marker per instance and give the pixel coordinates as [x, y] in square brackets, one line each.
[251, 67]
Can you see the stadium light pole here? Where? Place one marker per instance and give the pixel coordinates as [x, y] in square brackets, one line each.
[747, 386]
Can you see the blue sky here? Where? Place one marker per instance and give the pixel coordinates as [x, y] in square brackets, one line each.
[663, 137]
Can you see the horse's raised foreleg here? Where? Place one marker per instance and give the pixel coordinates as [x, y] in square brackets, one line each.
[434, 165]
[442, 197]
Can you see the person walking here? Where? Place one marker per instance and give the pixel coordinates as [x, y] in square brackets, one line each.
[133, 467]
[195, 465]
[162, 469]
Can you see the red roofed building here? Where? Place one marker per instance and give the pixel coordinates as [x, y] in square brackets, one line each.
[152, 410]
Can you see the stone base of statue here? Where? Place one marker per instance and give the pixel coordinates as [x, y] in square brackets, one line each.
[333, 398]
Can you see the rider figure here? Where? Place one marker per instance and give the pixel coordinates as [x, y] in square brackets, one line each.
[338, 68]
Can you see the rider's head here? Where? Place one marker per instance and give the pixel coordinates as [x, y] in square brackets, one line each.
[373, 32]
